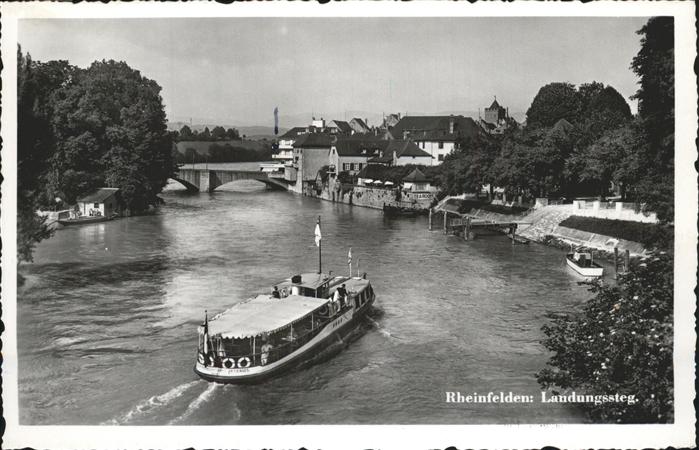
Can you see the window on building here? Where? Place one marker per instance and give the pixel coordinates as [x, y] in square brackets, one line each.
[346, 166]
[360, 166]
[441, 145]
[97, 205]
[440, 158]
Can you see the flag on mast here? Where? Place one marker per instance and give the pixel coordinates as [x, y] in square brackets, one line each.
[318, 233]
[349, 261]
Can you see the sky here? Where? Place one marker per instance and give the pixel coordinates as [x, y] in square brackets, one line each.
[235, 71]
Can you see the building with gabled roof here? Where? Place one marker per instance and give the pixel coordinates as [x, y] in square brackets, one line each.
[104, 202]
[359, 126]
[400, 152]
[310, 154]
[338, 127]
[390, 121]
[349, 154]
[286, 143]
[437, 135]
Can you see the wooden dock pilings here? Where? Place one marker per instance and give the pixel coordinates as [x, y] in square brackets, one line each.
[621, 263]
[465, 225]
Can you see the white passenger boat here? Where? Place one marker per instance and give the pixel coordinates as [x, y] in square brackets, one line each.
[583, 264]
[265, 335]
[270, 333]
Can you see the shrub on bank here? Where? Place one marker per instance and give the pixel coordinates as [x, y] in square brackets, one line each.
[649, 234]
[500, 209]
[621, 342]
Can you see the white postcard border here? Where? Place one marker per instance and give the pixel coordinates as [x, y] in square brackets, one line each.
[681, 433]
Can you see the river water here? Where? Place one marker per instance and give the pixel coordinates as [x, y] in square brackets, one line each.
[109, 312]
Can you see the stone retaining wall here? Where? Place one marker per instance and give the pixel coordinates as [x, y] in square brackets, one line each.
[368, 197]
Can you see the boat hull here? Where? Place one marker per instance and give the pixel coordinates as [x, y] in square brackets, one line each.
[84, 221]
[339, 328]
[595, 271]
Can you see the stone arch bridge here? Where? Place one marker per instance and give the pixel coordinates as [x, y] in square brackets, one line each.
[207, 180]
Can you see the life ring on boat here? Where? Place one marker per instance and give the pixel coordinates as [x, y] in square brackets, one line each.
[229, 363]
[201, 359]
[324, 311]
[244, 362]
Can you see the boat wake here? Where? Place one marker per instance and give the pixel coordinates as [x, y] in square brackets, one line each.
[381, 330]
[154, 403]
[196, 403]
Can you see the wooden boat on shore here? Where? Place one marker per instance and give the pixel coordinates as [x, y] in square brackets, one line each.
[83, 220]
[269, 333]
[583, 264]
[400, 211]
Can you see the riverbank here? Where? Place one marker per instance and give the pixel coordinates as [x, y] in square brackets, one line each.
[543, 225]
[370, 197]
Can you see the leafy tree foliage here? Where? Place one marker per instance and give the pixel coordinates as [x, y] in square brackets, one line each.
[532, 162]
[79, 129]
[611, 158]
[554, 102]
[469, 168]
[186, 133]
[621, 342]
[655, 66]
[110, 130]
[34, 138]
[225, 152]
[205, 135]
[602, 108]
[218, 133]
[232, 133]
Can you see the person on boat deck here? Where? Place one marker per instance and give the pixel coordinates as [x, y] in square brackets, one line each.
[266, 348]
[342, 293]
[275, 293]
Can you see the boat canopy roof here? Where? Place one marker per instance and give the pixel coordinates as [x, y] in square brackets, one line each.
[262, 314]
[307, 280]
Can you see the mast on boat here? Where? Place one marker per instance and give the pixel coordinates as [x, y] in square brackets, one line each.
[318, 243]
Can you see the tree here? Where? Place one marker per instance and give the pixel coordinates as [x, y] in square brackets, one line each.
[611, 158]
[232, 133]
[553, 102]
[621, 342]
[469, 168]
[532, 161]
[34, 144]
[218, 133]
[602, 108]
[110, 130]
[186, 133]
[655, 66]
[205, 135]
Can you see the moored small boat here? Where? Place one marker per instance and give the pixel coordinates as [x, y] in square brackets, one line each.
[583, 264]
[401, 211]
[82, 220]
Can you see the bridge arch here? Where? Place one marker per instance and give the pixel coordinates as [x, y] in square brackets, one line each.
[189, 186]
[269, 184]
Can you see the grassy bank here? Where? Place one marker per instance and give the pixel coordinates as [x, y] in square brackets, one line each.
[649, 234]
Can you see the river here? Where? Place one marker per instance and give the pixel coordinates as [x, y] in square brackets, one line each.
[108, 315]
